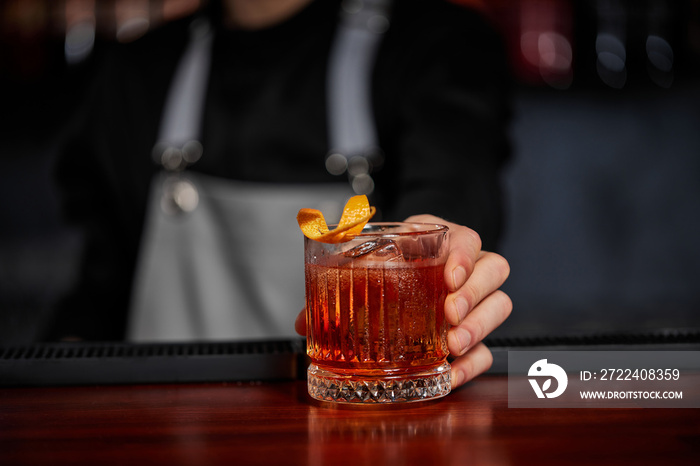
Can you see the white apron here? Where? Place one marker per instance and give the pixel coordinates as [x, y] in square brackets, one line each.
[231, 268]
[223, 259]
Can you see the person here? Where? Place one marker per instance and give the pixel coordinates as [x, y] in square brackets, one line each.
[439, 91]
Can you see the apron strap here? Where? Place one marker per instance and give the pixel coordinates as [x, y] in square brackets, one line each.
[184, 106]
[352, 134]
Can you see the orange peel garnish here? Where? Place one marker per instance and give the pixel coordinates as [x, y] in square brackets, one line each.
[356, 214]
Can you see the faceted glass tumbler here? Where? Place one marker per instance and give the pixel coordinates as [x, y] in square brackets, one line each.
[376, 328]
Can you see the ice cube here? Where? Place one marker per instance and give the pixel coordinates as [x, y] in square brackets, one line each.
[382, 249]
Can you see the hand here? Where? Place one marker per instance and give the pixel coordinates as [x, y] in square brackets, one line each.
[474, 307]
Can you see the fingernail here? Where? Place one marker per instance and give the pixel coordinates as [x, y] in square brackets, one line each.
[457, 377]
[459, 276]
[462, 308]
[464, 339]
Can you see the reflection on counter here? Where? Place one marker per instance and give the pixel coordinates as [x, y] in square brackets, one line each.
[385, 431]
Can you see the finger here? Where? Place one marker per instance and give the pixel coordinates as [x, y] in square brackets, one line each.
[482, 320]
[477, 361]
[465, 245]
[300, 323]
[425, 218]
[490, 272]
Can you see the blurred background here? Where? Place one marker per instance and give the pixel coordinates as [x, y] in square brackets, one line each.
[602, 191]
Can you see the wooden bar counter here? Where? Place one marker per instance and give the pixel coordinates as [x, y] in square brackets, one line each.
[245, 423]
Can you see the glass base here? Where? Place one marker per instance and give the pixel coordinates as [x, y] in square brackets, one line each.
[427, 385]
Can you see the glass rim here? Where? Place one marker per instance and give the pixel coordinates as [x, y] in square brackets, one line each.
[424, 229]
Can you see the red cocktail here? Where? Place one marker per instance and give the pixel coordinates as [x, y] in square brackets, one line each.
[375, 315]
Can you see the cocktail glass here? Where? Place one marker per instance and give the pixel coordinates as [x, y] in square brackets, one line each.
[376, 329]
